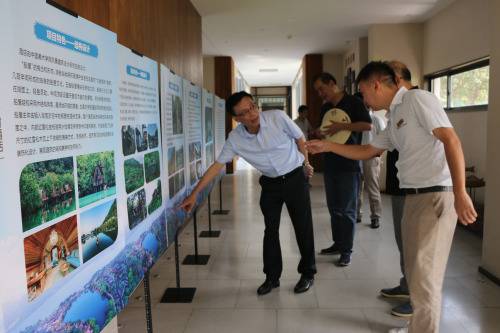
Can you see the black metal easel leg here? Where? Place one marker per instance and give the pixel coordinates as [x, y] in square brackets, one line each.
[220, 211]
[147, 303]
[196, 259]
[210, 233]
[178, 294]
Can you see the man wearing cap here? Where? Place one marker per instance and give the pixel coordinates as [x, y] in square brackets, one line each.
[272, 143]
[431, 172]
[342, 175]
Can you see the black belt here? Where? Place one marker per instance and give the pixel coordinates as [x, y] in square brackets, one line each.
[427, 189]
[286, 175]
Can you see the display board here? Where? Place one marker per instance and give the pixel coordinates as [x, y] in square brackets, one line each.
[59, 171]
[208, 129]
[174, 146]
[90, 186]
[140, 153]
[194, 132]
[220, 127]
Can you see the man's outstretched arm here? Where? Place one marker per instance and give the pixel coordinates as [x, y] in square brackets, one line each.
[210, 174]
[353, 152]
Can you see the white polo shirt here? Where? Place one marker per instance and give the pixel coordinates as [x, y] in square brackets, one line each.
[413, 115]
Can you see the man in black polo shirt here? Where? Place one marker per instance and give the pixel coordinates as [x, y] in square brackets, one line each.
[342, 176]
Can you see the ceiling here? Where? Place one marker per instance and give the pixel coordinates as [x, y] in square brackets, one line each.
[276, 34]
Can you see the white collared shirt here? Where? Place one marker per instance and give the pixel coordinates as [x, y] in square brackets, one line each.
[273, 150]
[413, 115]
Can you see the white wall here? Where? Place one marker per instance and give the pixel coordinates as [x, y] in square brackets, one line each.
[471, 127]
[456, 35]
[298, 92]
[491, 245]
[333, 64]
[401, 42]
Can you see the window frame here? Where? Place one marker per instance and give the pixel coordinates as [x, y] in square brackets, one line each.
[448, 73]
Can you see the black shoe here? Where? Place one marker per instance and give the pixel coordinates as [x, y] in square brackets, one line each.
[358, 219]
[267, 286]
[303, 285]
[404, 310]
[396, 292]
[375, 224]
[330, 250]
[344, 260]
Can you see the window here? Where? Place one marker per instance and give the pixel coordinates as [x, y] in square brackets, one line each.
[462, 88]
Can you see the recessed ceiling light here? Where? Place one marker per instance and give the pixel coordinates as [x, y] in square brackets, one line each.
[268, 70]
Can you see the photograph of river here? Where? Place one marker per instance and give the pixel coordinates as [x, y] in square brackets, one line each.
[99, 228]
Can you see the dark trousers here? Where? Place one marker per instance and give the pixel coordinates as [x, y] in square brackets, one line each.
[293, 191]
[342, 190]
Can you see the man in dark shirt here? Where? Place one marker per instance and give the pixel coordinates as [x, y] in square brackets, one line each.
[342, 175]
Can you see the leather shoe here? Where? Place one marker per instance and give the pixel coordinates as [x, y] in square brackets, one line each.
[375, 224]
[330, 250]
[344, 260]
[267, 286]
[303, 285]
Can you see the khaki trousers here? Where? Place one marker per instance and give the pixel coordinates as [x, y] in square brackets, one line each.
[370, 184]
[429, 221]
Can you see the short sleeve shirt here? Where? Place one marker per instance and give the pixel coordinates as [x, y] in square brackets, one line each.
[356, 110]
[412, 117]
[273, 150]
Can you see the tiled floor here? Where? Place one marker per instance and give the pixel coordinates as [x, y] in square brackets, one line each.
[342, 300]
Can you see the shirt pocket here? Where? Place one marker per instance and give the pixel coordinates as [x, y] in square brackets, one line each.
[275, 140]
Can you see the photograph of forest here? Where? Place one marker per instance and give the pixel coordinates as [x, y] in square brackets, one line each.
[136, 208]
[47, 191]
[176, 115]
[179, 157]
[141, 138]
[96, 177]
[134, 174]
[152, 165]
[128, 140]
[154, 198]
[153, 136]
[171, 160]
[209, 124]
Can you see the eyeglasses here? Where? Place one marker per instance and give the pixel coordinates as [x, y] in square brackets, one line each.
[245, 112]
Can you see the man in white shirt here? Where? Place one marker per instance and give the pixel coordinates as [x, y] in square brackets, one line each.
[303, 122]
[272, 143]
[431, 172]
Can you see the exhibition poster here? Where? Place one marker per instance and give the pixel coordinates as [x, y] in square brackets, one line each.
[219, 126]
[208, 129]
[174, 150]
[194, 133]
[59, 171]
